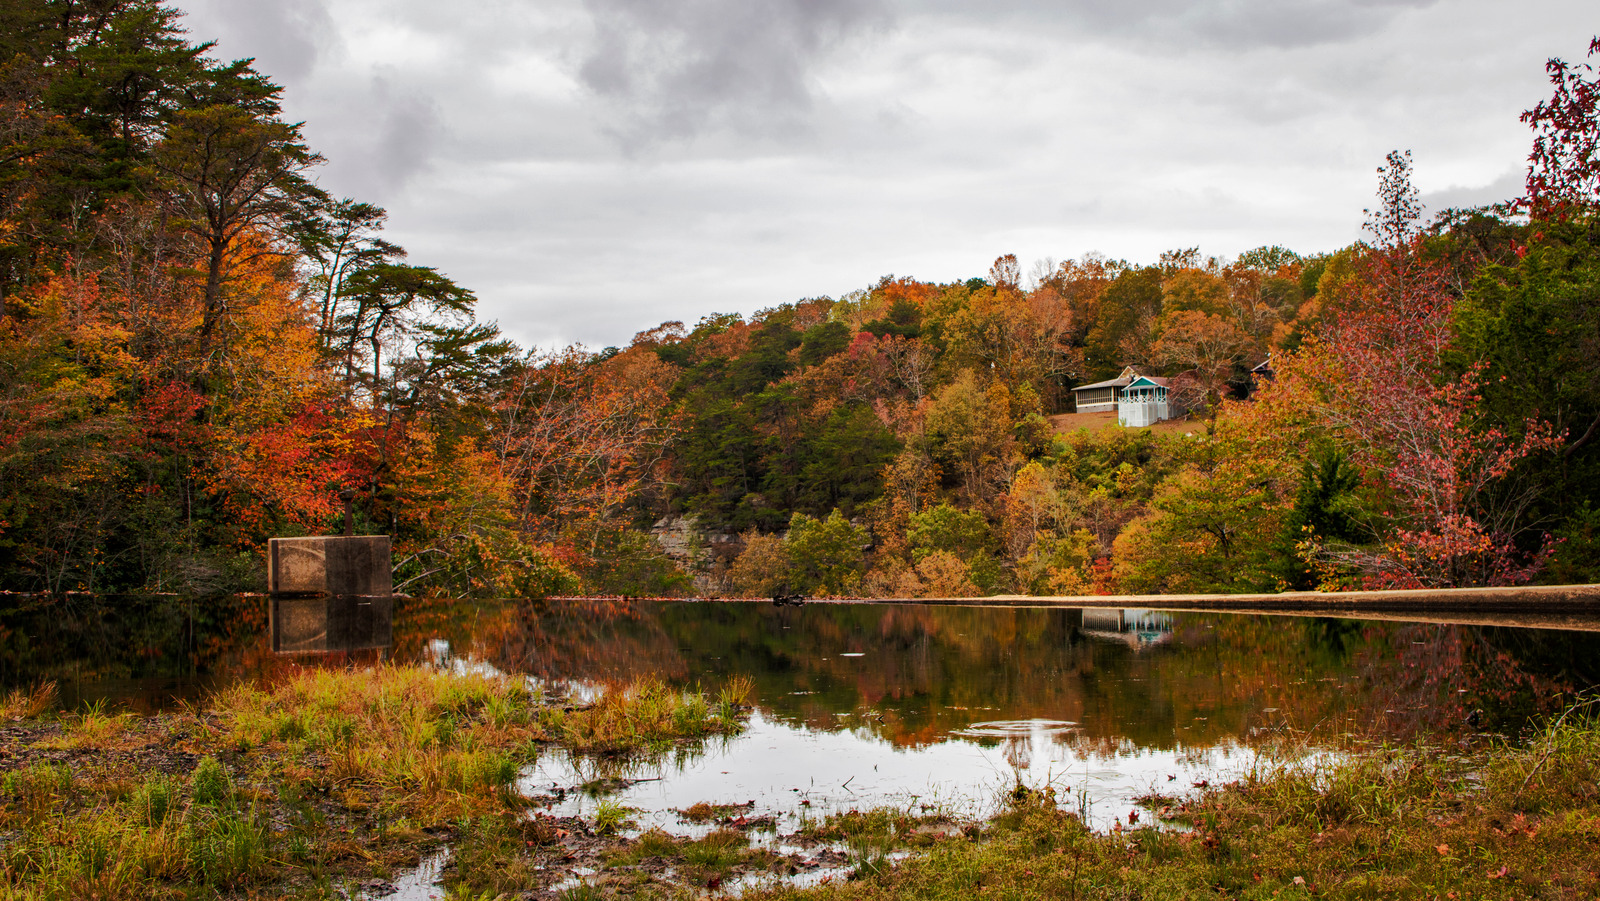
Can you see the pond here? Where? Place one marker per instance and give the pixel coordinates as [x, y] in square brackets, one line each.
[860, 705]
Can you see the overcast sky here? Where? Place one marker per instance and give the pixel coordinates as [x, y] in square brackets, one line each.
[591, 168]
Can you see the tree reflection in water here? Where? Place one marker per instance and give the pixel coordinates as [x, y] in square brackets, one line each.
[914, 674]
[911, 675]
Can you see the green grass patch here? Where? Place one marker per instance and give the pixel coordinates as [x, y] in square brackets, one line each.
[610, 817]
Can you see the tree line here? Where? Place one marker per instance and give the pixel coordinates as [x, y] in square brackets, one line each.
[200, 348]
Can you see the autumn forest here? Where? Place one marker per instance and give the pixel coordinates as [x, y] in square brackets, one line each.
[200, 349]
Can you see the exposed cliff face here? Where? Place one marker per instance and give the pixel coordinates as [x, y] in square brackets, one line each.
[706, 556]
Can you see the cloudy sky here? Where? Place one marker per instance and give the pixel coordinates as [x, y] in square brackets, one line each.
[594, 167]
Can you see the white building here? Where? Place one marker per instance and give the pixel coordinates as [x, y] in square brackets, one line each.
[1143, 402]
[1138, 400]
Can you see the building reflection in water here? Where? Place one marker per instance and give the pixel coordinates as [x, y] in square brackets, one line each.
[330, 623]
[1136, 628]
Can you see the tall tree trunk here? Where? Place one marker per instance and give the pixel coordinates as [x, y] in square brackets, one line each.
[213, 298]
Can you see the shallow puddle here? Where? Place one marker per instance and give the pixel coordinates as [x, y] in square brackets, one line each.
[420, 884]
[798, 775]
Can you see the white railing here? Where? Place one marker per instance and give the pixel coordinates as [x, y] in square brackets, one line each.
[1138, 413]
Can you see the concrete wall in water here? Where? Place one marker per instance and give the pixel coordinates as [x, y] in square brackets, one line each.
[330, 564]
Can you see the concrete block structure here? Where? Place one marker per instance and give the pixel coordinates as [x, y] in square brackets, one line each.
[345, 565]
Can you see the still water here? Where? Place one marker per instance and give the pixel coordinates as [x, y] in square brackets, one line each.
[942, 707]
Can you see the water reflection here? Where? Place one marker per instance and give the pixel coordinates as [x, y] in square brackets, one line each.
[331, 623]
[795, 774]
[1138, 629]
[912, 676]
[916, 674]
[1015, 729]
[142, 653]
[860, 705]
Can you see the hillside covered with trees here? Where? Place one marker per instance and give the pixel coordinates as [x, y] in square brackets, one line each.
[199, 348]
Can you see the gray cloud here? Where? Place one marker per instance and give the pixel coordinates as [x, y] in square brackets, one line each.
[285, 36]
[1507, 187]
[403, 140]
[1206, 23]
[671, 70]
[378, 128]
[783, 149]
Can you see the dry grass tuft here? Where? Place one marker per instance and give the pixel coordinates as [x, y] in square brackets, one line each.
[446, 745]
[29, 703]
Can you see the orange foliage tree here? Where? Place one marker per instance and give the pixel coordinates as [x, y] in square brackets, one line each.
[579, 437]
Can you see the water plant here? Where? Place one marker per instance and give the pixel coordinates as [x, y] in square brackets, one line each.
[609, 817]
[703, 812]
[34, 791]
[488, 856]
[716, 852]
[438, 742]
[225, 848]
[648, 714]
[653, 843]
